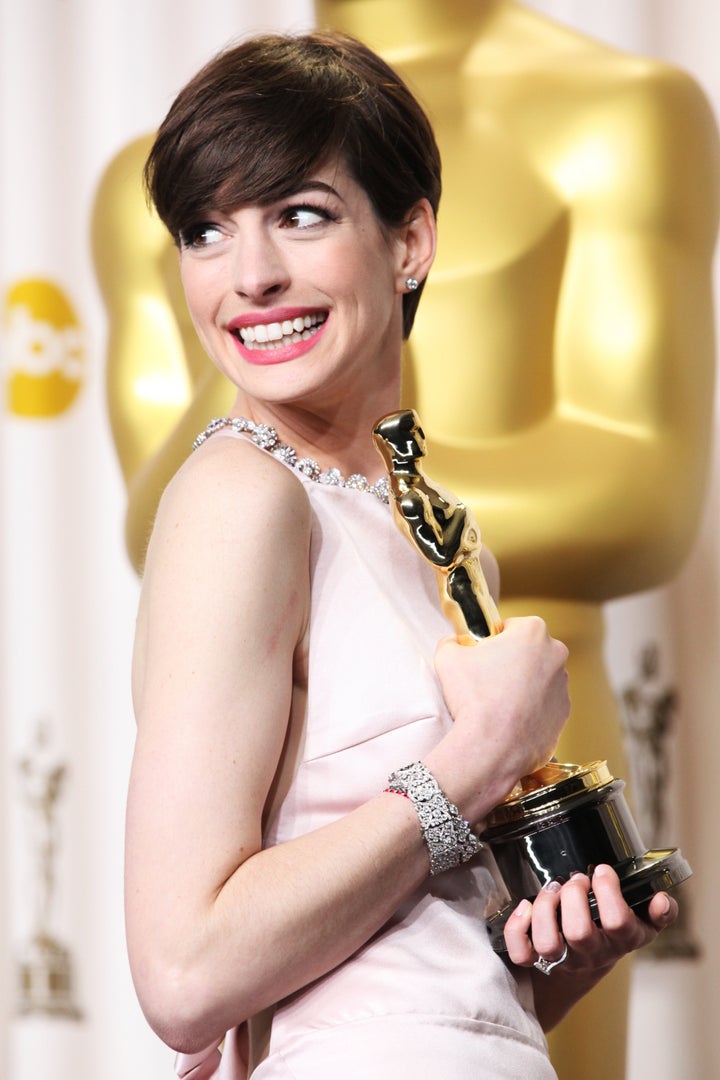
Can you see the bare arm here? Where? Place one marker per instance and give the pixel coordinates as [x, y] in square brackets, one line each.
[217, 927]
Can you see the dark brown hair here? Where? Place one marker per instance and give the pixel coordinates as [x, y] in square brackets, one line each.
[259, 118]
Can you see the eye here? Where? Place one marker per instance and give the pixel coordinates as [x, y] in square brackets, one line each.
[200, 236]
[304, 217]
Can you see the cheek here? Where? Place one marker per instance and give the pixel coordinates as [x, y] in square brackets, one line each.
[362, 270]
[379, 282]
[374, 288]
[200, 295]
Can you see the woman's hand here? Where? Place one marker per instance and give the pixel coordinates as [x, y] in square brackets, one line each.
[558, 923]
[508, 697]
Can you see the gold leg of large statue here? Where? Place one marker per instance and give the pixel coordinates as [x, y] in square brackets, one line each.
[591, 1041]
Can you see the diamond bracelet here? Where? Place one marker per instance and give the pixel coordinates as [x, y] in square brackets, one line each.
[447, 835]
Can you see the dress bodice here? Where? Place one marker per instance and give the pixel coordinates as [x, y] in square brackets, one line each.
[426, 996]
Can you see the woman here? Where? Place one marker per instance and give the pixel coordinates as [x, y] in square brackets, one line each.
[289, 685]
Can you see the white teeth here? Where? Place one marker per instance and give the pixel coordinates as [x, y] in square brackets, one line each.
[267, 335]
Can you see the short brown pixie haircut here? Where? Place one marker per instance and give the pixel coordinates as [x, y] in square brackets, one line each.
[263, 115]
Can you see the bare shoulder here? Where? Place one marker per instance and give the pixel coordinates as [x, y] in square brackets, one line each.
[230, 550]
[221, 624]
[231, 492]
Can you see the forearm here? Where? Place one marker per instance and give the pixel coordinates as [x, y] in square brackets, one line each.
[207, 957]
[286, 916]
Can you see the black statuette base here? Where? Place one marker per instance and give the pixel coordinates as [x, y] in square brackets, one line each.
[554, 835]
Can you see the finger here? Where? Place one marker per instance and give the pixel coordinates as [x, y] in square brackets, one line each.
[546, 936]
[662, 911]
[612, 907]
[517, 930]
[584, 937]
[575, 916]
[619, 922]
[441, 649]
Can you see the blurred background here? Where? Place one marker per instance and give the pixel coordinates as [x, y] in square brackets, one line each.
[80, 79]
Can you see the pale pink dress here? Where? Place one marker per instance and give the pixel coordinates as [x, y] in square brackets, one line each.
[426, 997]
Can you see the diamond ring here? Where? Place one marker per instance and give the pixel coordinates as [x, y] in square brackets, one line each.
[546, 966]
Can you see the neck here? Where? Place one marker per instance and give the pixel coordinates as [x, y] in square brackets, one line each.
[400, 29]
[339, 437]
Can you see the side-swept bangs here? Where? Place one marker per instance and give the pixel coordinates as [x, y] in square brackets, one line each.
[257, 120]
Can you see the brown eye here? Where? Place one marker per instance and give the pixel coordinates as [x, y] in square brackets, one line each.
[200, 236]
[304, 217]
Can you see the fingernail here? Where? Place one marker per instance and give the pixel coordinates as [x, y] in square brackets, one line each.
[666, 908]
[577, 873]
[522, 908]
[552, 886]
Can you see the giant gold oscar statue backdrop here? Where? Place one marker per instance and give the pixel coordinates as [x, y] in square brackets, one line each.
[562, 359]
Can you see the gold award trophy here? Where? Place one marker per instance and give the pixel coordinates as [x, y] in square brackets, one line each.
[563, 817]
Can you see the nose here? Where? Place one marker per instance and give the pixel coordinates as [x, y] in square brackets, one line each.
[259, 270]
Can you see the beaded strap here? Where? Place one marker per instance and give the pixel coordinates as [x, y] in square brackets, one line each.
[448, 837]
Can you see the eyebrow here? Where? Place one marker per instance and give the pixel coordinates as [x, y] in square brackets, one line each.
[316, 185]
[302, 187]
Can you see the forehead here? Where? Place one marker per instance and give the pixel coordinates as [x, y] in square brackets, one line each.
[332, 179]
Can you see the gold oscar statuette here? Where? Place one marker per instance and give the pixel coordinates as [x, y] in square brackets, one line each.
[563, 817]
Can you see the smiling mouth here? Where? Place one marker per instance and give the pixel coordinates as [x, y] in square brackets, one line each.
[275, 335]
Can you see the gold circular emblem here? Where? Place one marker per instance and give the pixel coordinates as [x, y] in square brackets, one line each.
[44, 349]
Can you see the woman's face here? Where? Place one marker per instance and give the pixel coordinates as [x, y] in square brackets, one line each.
[299, 300]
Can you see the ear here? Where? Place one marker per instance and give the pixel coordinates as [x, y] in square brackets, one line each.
[417, 240]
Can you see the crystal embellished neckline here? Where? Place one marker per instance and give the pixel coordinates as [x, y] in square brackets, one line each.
[266, 437]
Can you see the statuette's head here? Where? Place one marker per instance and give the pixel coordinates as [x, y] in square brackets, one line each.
[400, 439]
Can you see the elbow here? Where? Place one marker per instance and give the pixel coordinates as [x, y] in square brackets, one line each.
[182, 1007]
[193, 984]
